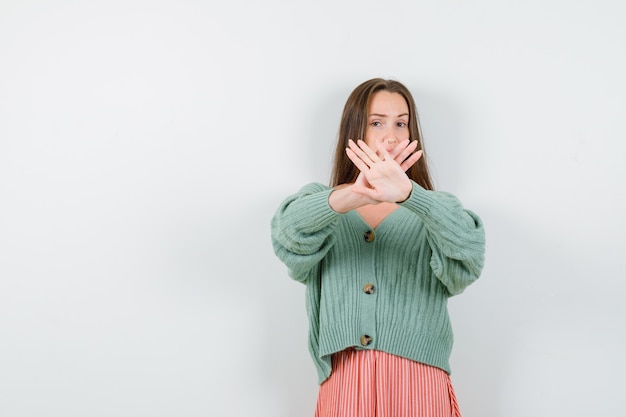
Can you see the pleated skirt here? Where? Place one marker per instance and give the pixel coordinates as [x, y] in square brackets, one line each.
[371, 383]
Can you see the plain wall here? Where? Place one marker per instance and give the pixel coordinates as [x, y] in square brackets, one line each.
[144, 146]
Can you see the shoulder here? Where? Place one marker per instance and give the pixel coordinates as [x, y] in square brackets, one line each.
[314, 187]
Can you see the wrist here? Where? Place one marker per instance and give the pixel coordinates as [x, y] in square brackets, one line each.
[342, 199]
[406, 193]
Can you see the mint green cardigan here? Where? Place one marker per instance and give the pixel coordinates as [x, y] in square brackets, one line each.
[384, 289]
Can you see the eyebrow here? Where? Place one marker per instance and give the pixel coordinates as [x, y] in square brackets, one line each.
[384, 115]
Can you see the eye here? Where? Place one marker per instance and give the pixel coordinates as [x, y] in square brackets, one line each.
[376, 124]
[401, 124]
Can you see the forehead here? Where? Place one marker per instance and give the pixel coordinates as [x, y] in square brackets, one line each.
[388, 103]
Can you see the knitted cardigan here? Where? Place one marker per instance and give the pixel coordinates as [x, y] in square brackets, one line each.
[386, 288]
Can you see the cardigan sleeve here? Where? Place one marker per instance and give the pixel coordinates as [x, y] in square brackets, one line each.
[456, 237]
[302, 229]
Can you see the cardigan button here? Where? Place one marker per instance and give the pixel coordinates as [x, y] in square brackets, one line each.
[365, 340]
[369, 236]
[368, 288]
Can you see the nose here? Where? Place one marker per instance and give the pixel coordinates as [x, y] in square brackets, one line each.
[390, 137]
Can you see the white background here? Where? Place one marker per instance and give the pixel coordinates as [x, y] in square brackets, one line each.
[144, 146]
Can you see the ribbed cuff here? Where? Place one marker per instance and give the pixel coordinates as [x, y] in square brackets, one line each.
[420, 200]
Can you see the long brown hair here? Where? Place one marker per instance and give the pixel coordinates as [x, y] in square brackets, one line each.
[354, 123]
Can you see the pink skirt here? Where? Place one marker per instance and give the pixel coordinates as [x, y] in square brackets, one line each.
[371, 383]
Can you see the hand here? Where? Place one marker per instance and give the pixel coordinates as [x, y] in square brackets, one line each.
[342, 199]
[383, 173]
[361, 182]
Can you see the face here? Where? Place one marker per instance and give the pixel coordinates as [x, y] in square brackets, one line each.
[388, 120]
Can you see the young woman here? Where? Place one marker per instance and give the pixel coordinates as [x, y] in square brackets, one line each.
[380, 253]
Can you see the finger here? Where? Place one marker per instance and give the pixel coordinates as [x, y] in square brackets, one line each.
[401, 146]
[383, 152]
[360, 153]
[411, 160]
[404, 154]
[358, 162]
[372, 155]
